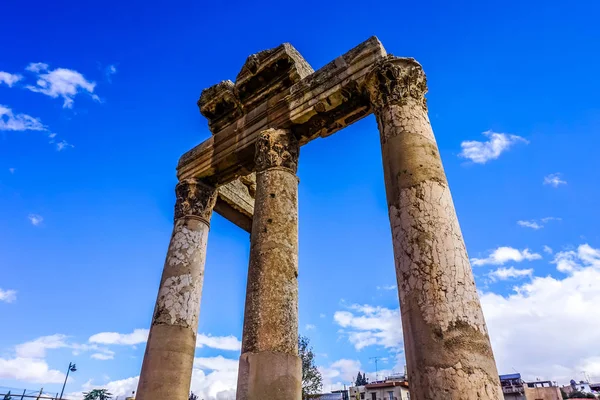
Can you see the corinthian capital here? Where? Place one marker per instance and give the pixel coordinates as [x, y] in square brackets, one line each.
[195, 199]
[276, 148]
[394, 80]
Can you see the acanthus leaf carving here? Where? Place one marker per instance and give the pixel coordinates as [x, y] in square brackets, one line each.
[394, 80]
[194, 198]
[276, 148]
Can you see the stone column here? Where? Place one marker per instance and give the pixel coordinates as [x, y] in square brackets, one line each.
[168, 361]
[447, 347]
[269, 365]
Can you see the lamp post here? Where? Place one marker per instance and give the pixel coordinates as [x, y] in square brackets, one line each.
[71, 368]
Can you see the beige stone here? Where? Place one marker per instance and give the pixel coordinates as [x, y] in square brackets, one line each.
[276, 104]
[269, 365]
[168, 360]
[448, 351]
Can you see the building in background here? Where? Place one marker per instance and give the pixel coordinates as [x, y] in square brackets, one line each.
[394, 387]
[514, 388]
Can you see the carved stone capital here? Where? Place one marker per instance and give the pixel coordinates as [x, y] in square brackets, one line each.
[194, 199]
[276, 148]
[394, 80]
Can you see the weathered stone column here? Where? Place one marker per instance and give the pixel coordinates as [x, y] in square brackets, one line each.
[448, 351]
[168, 361]
[269, 365]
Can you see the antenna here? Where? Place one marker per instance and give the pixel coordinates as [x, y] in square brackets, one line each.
[376, 370]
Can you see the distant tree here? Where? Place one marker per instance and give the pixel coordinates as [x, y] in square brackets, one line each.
[581, 395]
[361, 380]
[563, 394]
[97, 394]
[193, 396]
[312, 382]
[358, 381]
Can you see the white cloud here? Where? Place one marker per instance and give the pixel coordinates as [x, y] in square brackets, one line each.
[60, 82]
[121, 387]
[29, 370]
[338, 373]
[322, 315]
[554, 180]
[136, 337]
[547, 327]
[18, 122]
[63, 144]
[310, 327]
[35, 219]
[547, 249]
[504, 273]
[37, 348]
[105, 355]
[214, 378]
[12, 170]
[366, 325]
[9, 79]
[482, 152]
[548, 219]
[218, 342]
[8, 296]
[533, 224]
[530, 224]
[387, 287]
[502, 255]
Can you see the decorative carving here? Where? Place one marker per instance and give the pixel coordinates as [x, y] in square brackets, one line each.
[394, 80]
[194, 198]
[276, 148]
[220, 105]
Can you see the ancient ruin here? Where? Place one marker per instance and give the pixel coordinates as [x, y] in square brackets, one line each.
[247, 173]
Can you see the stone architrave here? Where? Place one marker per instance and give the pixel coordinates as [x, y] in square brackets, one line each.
[168, 360]
[269, 365]
[448, 351]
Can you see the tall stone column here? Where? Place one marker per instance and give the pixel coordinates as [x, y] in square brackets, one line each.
[269, 365]
[168, 361]
[447, 347]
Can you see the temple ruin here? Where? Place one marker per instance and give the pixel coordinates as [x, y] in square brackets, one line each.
[246, 172]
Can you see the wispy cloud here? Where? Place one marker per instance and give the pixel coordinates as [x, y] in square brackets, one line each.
[35, 219]
[8, 296]
[136, 337]
[109, 72]
[530, 224]
[554, 180]
[10, 121]
[386, 287]
[60, 82]
[533, 224]
[310, 327]
[9, 79]
[63, 144]
[230, 342]
[106, 355]
[12, 170]
[482, 152]
[504, 273]
[366, 325]
[547, 249]
[502, 255]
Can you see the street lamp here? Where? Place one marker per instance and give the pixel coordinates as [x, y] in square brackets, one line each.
[72, 368]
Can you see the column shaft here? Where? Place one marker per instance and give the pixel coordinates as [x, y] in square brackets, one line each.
[447, 347]
[168, 360]
[269, 365]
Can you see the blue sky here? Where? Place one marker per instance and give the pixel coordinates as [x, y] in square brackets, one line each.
[90, 138]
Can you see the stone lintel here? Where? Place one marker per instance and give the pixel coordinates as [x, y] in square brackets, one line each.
[318, 105]
[236, 201]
